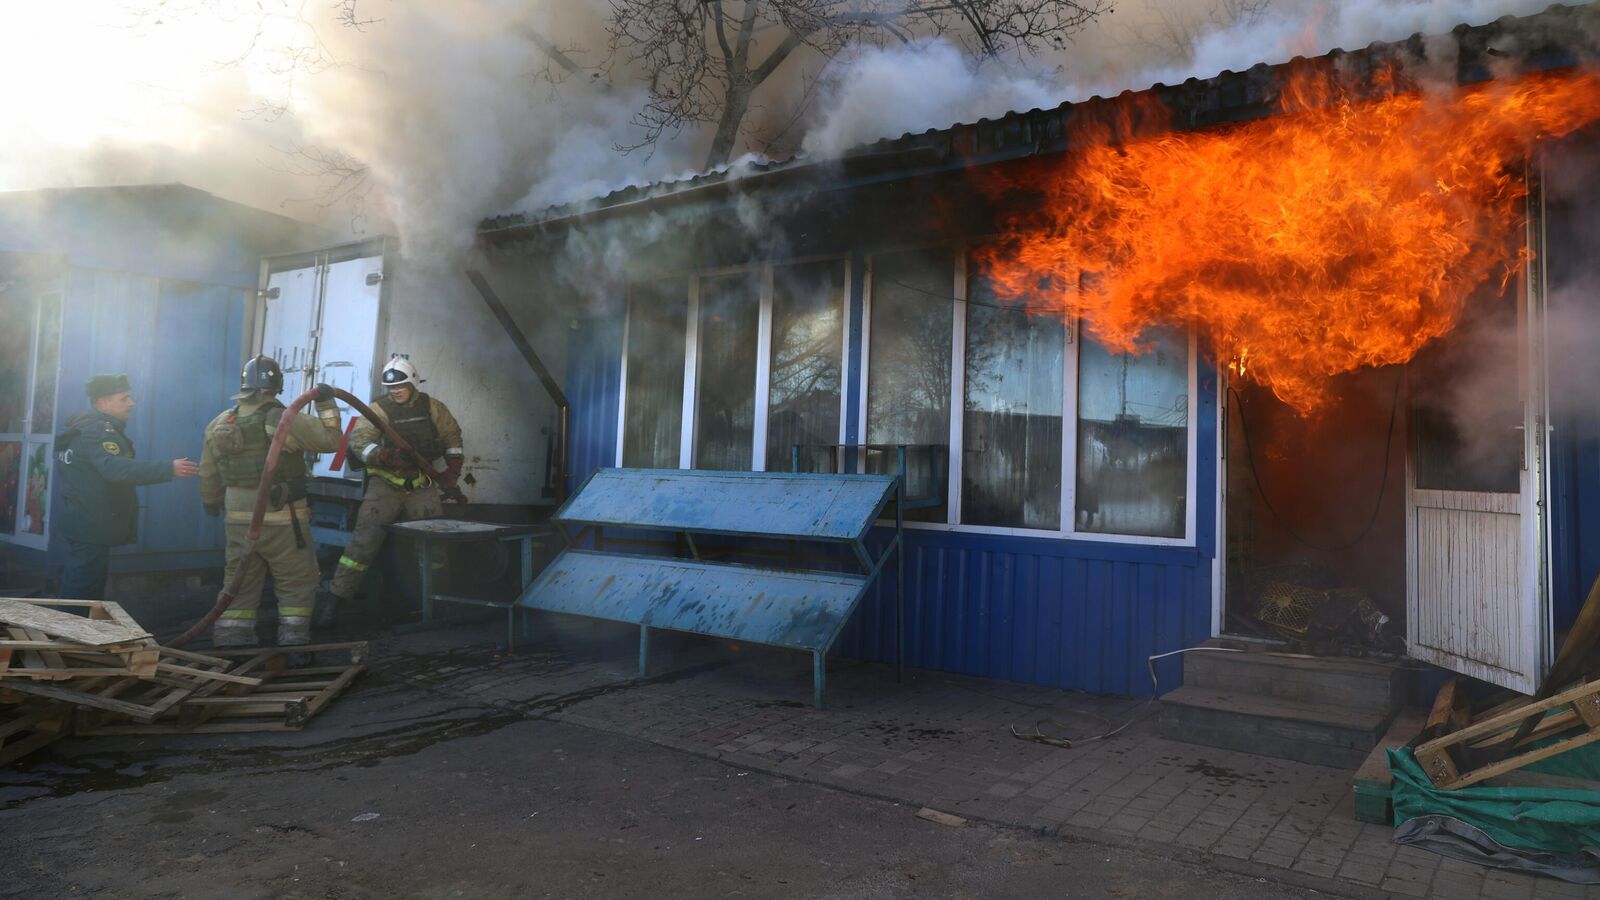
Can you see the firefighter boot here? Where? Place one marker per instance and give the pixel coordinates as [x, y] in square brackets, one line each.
[327, 611]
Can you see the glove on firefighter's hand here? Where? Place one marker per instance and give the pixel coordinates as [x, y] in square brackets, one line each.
[397, 461]
[451, 473]
[324, 393]
[452, 494]
[213, 509]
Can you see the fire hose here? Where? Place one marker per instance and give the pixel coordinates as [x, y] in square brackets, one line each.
[231, 589]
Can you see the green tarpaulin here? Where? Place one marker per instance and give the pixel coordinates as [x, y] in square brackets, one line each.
[1564, 821]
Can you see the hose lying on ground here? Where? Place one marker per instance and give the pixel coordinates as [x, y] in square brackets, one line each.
[231, 589]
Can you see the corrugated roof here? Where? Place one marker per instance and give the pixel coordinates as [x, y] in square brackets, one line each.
[1559, 37]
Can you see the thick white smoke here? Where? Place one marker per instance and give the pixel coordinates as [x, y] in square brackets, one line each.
[912, 87]
[885, 92]
[443, 109]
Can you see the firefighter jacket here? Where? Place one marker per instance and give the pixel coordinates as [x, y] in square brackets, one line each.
[98, 476]
[425, 423]
[235, 452]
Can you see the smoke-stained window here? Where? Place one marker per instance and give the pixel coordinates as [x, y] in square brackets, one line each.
[1133, 437]
[30, 351]
[657, 315]
[1011, 437]
[908, 377]
[808, 302]
[725, 381]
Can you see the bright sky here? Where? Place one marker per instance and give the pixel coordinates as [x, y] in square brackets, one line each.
[95, 73]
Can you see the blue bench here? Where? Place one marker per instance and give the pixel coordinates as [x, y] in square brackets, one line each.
[793, 607]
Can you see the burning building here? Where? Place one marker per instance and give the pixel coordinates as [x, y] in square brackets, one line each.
[1181, 363]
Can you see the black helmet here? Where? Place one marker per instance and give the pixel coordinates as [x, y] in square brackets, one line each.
[260, 374]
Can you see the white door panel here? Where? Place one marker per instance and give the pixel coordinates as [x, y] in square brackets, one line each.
[1475, 593]
[349, 335]
[323, 327]
[288, 332]
[1470, 567]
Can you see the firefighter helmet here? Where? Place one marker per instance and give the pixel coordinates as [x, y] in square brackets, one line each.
[260, 375]
[398, 371]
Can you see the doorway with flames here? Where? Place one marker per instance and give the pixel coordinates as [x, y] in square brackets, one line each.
[1401, 516]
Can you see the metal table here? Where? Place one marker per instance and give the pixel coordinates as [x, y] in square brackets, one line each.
[430, 532]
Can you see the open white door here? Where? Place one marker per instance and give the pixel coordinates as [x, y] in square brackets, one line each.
[321, 323]
[1476, 600]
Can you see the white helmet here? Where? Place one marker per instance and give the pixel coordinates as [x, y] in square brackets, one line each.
[398, 371]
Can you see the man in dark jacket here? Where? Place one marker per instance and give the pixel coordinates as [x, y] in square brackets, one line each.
[99, 509]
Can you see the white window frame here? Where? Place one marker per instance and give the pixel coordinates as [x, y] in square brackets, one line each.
[861, 388]
[29, 437]
[763, 386]
[1069, 425]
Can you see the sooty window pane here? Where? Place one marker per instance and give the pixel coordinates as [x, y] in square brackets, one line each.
[44, 366]
[725, 401]
[1011, 445]
[1133, 438]
[16, 348]
[657, 314]
[908, 378]
[807, 343]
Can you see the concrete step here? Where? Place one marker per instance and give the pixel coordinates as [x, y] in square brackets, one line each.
[1354, 684]
[1269, 726]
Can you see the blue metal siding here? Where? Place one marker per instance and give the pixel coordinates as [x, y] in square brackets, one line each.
[1065, 613]
[1574, 451]
[180, 344]
[1574, 506]
[1071, 614]
[162, 230]
[594, 390]
[204, 324]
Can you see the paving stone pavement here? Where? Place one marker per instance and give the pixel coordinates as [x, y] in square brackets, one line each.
[945, 741]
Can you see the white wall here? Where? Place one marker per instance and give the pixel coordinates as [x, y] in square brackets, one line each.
[470, 363]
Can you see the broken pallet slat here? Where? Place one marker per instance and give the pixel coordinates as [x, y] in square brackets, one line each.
[52, 657]
[82, 698]
[191, 656]
[175, 728]
[66, 672]
[191, 672]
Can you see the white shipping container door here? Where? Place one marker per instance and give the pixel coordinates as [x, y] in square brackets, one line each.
[321, 324]
[288, 331]
[345, 357]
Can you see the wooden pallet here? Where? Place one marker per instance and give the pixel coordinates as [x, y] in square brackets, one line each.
[186, 692]
[26, 728]
[279, 699]
[42, 643]
[1500, 740]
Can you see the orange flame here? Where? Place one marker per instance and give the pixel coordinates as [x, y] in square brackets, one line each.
[1346, 232]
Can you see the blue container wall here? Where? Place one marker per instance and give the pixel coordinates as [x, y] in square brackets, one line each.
[594, 392]
[1071, 614]
[1572, 231]
[180, 343]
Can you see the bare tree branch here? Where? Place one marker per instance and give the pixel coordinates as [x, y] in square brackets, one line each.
[699, 74]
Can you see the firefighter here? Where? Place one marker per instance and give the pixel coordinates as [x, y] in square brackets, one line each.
[99, 507]
[231, 464]
[397, 489]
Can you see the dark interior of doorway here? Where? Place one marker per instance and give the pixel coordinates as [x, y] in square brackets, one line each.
[1316, 516]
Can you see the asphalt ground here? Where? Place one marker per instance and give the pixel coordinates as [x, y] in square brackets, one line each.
[400, 791]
